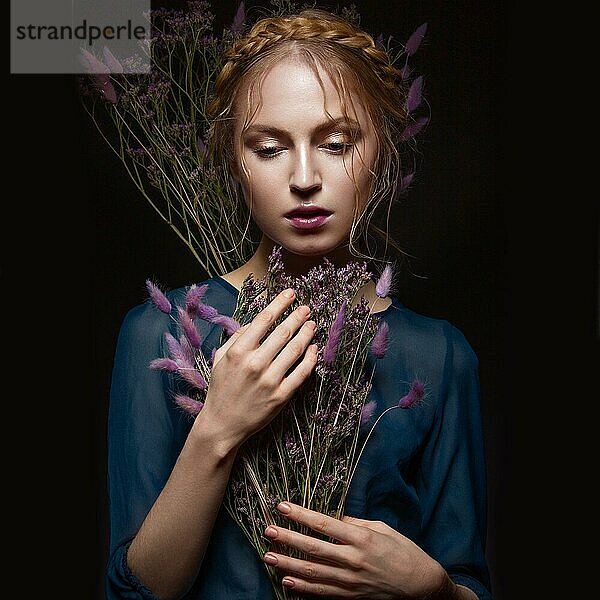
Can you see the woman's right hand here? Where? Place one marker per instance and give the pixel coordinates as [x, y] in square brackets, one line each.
[248, 384]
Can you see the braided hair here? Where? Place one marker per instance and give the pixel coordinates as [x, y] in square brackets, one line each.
[348, 55]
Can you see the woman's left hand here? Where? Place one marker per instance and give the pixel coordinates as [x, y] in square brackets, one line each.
[371, 560]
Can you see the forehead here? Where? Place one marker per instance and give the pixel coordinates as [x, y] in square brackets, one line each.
[292, 90]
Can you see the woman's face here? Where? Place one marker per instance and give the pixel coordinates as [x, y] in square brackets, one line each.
[294, 157]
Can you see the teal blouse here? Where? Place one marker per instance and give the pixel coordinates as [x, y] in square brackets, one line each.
[422, 471]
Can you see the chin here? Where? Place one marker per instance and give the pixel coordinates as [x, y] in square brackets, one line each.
[308, 247]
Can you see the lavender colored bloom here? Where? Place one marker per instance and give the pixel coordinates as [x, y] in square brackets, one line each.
[411, 130]
[207, 313]
[406, 181]
[158, 297]
[380, 343]
[382, 289]
[367, 412]
[413, 99]
[193, 377]
[99, 74]
[177, 351]
[414, 41]
[189, 405]
[111, 62]
[191, 333]
[405, 71]
[335, 334]
[379, 41]
[188, 351]
[238, 21]
[202, 150]
[415, 394]
[230, 325]
[193, 296]
[164, 364]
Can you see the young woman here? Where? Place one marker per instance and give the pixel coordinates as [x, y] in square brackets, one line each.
[307, 113]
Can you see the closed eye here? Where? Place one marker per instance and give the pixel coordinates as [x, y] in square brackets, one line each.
[338, 147]
[267, 151]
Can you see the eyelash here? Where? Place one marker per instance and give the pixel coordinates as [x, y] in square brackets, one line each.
[268, 152]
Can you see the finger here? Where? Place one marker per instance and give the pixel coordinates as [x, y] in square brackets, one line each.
[263, 321]
[312, 546]
[281, 337]
[317, 588]
[232, 338]
[295, 348]
[347, 533]
[308, 570]
[301, 373]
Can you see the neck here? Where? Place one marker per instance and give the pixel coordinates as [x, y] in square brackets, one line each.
[295, 265]
[298, 265]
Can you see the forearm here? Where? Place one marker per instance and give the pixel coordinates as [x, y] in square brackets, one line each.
[169, 547]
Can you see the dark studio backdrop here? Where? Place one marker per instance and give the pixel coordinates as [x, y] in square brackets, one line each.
[93, 241]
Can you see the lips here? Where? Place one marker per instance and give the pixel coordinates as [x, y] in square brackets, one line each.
[308, 212]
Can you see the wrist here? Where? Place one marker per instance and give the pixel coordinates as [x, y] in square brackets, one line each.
[448, 590]
[445, 588]
[209, 438]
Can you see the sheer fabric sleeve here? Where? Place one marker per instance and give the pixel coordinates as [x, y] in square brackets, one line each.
[451, 481]
[145, 435]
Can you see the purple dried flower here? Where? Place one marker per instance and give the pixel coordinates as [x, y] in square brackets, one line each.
[206, 312]
[191, 406]
[164, 364]
[181, 351]
[413, 99]
[191, 333]
[415, 394]
[335, 334]
[406, 181]
[158, 297]
[111, 62]
[229, 324]
[367, 412]
[379, 41]
[193, 377]
[411, 130]
[238, 21]
[188, 351]
[99, 73]
[405, 71]
[193, 297]
[382, 288]
[380, 343]
[202, 149]
[414, 41]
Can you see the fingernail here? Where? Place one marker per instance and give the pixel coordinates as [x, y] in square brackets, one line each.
[289, 293]
[287, 582]
[271, 559]
[284, 508]
[271, 531]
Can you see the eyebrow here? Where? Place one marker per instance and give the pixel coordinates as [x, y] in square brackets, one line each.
[324, 126]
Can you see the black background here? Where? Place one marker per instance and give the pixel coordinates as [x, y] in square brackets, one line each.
[79, 242]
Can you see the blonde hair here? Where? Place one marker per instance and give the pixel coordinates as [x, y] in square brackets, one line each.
[346, 54]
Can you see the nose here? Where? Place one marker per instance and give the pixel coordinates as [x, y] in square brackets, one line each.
[305, 176]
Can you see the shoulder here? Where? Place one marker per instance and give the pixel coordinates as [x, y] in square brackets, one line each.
[430, 336]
